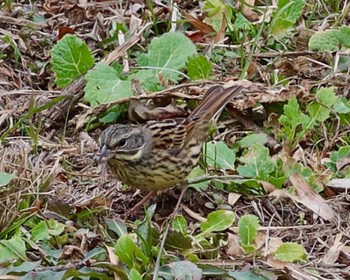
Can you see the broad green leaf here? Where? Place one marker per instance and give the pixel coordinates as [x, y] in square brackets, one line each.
[248, 226]
[281, 26]
[247, 275]
[344, 63]
[241, 23]
[217, 10]
[40, 231]
[342, 105]
[344, 36]
[324, 41]
[44, 275]
[45, 229]
[218, 154]
[12, 249]
[104, 86]
[148, 79]
[117, 226]
[176, 241]
[26, 266]
[185, 270]
[129, 252]
[94, 252]
[320, 111]
[195, 173]
[252, 139]
[290, 252]
[179, 223]
[6, 178]
[288, 12]
[326, 96]
[217, 221]
[340, 154]
[292, 119]
[167, 55]
[257, 163]
[71, 58]
[198, 67]
[135, 275]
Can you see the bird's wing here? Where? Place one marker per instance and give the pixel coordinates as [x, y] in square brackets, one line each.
[168, 134]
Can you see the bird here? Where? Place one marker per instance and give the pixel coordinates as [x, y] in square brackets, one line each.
[159, 154]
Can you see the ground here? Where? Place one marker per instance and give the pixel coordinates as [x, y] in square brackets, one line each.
[269, 199]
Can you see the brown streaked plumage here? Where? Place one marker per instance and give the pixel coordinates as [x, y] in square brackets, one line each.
[159, 154]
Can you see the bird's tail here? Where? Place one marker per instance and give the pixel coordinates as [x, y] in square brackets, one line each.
[214, 101]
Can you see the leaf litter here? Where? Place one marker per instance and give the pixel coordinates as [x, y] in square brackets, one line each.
[54, 162]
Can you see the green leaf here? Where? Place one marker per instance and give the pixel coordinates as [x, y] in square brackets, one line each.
[198, 67]
[179, 223]
[288, 12]
[197, 172]
[258, 164]
[217, 221]
[166, 56]
[324, 41]
[26, 267]
[247, 275]
[135, 275]
[104, 86]
[290, 252]
[12, 249]
[117, 226]
[342, 105]
[319, 111]
[217, 10]
[176, 241]
[219, 155]
[291, 120]
[252, 139]
[326, 96]
[343, 152]
[71, 58]
[129, 253]
[6, 178]
[44, 275]
[45, 229]
[248, 226]
[185, 270]
[344, 36]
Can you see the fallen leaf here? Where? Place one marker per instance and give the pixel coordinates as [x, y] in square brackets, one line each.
[308, 197]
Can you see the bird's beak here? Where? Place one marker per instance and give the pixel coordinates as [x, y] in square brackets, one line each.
[103, 152]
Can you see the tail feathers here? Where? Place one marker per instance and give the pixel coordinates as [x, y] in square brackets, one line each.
[214, 101]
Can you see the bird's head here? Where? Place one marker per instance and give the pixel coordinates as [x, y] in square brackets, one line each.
[122, 142]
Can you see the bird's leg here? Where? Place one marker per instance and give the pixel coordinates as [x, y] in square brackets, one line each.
[184, 186]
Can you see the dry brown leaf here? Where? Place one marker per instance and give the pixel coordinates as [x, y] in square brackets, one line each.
[233, 198]
[272, 245]
[342, 185]
[199, 24]
[140, 112]
[248, 12]
[220, 35]
[114, 259]
[268, 187]
[308, 197]
[233, 248]
[71, 252]
[332, 255]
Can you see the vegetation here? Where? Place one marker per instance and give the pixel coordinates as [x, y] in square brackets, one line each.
[270, 196]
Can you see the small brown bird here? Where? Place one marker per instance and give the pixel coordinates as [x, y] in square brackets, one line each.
[159, 154]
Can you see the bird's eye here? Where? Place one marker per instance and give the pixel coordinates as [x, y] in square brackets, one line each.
[122, 142]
